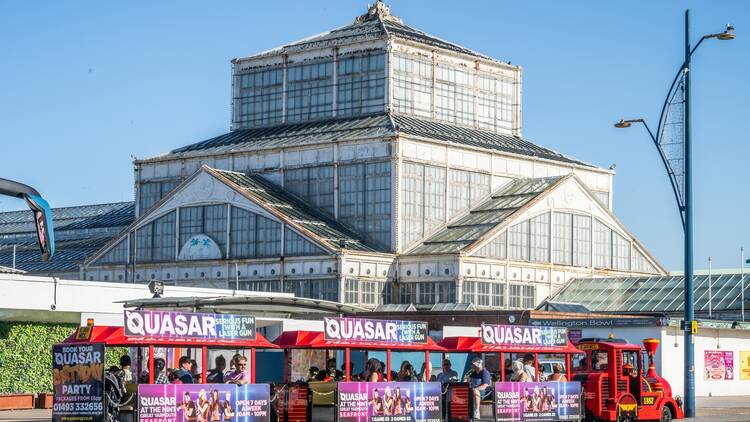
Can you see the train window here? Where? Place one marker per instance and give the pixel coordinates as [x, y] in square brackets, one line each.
[630, 358]
[599, 360]
[578, 361]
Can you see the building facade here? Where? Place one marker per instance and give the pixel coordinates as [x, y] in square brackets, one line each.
[373, 164]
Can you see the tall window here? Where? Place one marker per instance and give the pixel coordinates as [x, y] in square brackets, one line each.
[117, 255]
[515, 296]
[539, 238]
[155, 241]
[412, 85]
[522, 296]
[253, 236]
[210, 220]
[361, 85]
[518, 241]
[365, 200]
[296, 245]
[498, 294]
[602, 245]
[562, 239]
[454, 96]
[495, 248]
[313, 184]
[259, 100]
[640, 263]
[351, 291]
[494, 102]
[149, 193]
[484, 294]
[466, 188]
[581, 240]
[309, 91]
[423, 200]
[470, 289]
[620, 252]
[407, 293]
[528, 296]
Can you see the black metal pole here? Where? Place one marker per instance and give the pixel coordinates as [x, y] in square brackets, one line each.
[689, 311]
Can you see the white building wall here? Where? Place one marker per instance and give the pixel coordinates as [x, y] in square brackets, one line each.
[50, 299]
[707, 339]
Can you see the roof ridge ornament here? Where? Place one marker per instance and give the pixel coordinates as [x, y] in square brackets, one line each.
[377, 11]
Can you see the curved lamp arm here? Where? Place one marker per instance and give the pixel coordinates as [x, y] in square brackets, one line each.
[42, 213]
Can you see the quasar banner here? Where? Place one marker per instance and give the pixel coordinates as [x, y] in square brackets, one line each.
[175, 325]
[537, 401]
[78, 382]
[523, 335]
[375, 331]
[204, 402]
[389, 402]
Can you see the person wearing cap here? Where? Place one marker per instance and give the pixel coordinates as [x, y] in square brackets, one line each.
[479, 380]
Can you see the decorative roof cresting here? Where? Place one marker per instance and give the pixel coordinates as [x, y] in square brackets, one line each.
[379, 10]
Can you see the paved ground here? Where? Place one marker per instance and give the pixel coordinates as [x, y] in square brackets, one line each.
[719, 409]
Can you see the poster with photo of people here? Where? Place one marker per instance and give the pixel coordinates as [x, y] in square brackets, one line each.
[537, 401]
[389, 402]
[204, 403]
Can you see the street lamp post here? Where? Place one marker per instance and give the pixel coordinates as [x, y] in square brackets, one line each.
[682, 185]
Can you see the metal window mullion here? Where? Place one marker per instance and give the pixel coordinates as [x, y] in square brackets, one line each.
[177, 235]
[229, 232]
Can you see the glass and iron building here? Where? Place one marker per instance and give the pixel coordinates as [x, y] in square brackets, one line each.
[374, 164]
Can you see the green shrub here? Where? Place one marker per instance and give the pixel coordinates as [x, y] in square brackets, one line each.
[26, 355]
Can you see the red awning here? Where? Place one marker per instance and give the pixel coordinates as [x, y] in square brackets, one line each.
[316, 340]
[115, 336]
[474, 344]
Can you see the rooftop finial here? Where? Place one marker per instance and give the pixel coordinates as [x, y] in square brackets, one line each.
[379, 10]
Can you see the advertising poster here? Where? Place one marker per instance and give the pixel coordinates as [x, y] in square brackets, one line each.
[745, 365]
[389, 402]
[719, 365]
[173, 325]
[78, 382]
[537, 401]
[204, 402]
[520, 335]
[375, 330]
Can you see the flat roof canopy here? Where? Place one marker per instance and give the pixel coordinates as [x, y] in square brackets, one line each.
[115, 336]
[474, 344]
[317, 340]
[281, 307]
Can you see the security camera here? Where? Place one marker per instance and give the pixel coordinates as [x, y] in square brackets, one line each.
[53, 306]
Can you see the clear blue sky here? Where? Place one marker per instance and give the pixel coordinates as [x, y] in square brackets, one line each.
[85, 85]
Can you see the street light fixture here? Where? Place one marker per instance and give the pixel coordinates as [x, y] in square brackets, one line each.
[679, 170]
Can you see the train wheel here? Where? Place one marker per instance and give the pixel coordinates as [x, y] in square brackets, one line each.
[666, 414]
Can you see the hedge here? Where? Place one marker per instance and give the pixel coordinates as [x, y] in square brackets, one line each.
[26, 355]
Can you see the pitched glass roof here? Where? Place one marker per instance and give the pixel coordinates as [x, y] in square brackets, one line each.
[79, 233]
[468, 228]
[376, 24]
[295, 210]
[655, 294]
[380, 125]
[476, 138]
